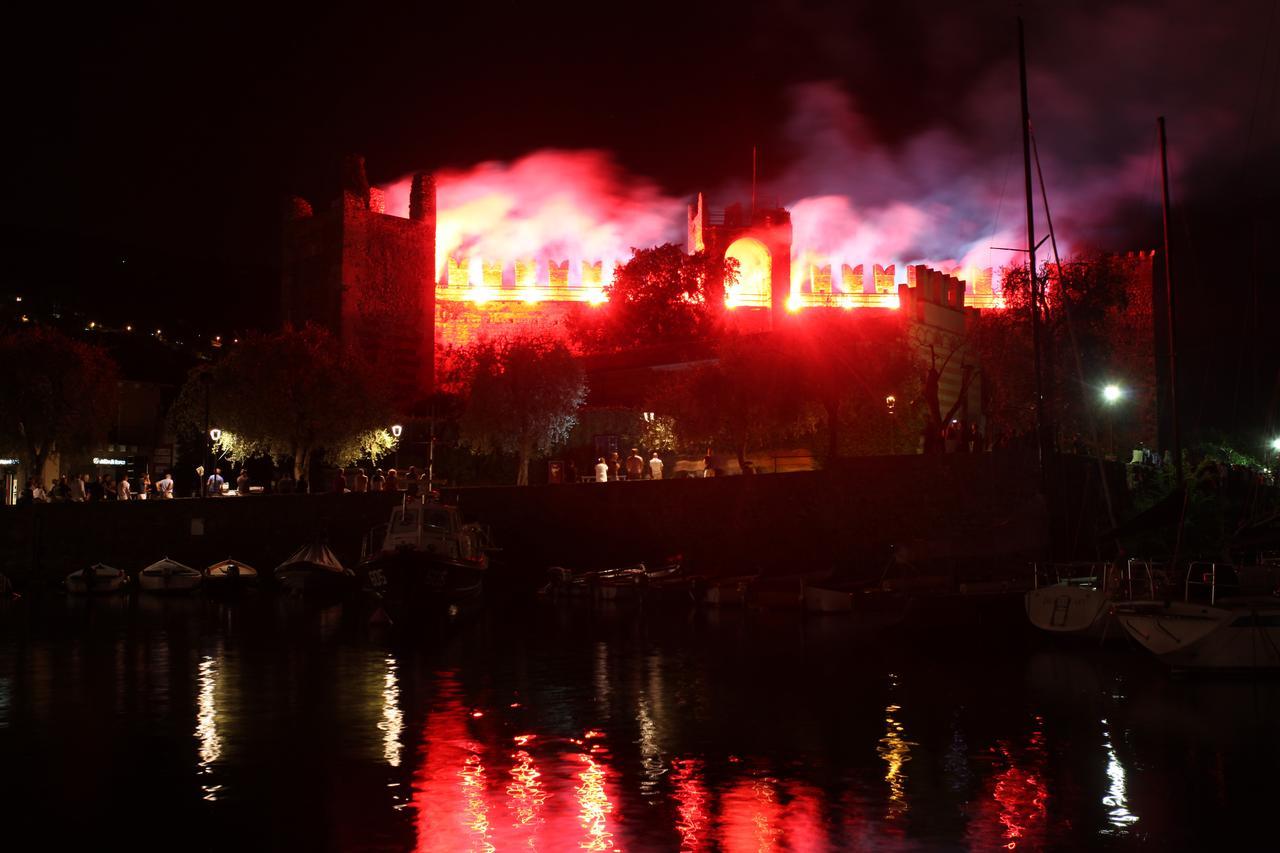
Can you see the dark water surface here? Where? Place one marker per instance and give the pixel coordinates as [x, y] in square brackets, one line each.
[194, 725]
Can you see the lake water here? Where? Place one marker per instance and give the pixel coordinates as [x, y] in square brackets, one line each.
[266, 724]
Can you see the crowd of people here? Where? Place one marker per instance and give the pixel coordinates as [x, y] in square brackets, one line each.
[105, 487]
[359, 481]
[634, 467]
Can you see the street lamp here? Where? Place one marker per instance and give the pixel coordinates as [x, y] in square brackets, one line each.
[396, 430]
[1112, 394]
[215, 434]
[889, 403]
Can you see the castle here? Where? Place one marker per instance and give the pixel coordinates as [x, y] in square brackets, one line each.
[373, 279]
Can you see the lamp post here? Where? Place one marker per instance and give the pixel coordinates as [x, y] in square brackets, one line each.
[214, 435]
[889, 403]
[1111, 395]
[396, 430]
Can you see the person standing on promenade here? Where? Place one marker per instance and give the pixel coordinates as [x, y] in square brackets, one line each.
[340, 482]
[615, 467]
[377, 481]
[77, 488]
[144, 488]
[655, 467]
[635, 465]
[123, 490]
[164, 488]
[242, 482]
[393, 481]
[362, 481]
[602, 471]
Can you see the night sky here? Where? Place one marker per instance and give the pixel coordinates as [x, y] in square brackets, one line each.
[155, 146]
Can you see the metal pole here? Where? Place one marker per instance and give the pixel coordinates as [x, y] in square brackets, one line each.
[1168, 286]
[1031, 253]
[208, 442]
[431, 451]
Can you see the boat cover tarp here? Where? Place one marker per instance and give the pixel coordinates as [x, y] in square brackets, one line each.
[167, 566]
[316, 556]
[221, 568]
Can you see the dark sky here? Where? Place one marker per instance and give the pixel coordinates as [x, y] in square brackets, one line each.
[154, 145]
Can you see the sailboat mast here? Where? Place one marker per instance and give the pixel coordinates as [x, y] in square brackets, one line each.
[1168, 287]
[1031, 249]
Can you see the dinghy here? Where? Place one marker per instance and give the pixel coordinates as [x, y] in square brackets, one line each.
[165, 575]
[96, 580]
[230, 575]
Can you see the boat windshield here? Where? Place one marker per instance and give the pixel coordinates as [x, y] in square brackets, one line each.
[440, 519]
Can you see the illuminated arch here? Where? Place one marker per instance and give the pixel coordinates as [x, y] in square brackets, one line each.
[755, 274]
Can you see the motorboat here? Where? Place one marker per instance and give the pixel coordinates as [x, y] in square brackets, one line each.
[166, 575]
[229, 576]
[1075, 599]
[97, 579]
[1222, 633]
[426, 556]
[314, 570]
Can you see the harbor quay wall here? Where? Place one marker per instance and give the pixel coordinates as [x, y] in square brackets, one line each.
[980, 509]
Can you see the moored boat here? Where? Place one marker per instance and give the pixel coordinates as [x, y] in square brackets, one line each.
[426, 558]
[97, 579]
[229, 576]
[1207, 631]
[314, 570]
[1075, 599]
[166, 575]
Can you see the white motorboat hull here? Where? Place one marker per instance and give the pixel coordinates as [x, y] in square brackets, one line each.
[1070, 610]
[1204, 637]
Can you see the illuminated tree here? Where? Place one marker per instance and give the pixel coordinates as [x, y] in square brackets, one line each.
[1098, 309]
[661, 295]
[56, 394]
[742, 401]
[289, 394]
[847, 364]
[521, 396]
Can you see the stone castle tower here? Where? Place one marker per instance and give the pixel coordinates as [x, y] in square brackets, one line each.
[368, 277]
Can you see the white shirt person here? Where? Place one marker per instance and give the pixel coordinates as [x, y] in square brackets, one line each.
[655, 467]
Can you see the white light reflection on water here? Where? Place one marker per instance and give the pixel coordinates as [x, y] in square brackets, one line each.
[207, 723]
[392, 723]
[1116, 799]
[895, 750]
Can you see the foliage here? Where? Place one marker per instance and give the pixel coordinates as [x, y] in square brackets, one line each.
[1092, 311]
[844, 364]
[742, 401]
[289, 394]
[522, 396]
[56, 394]
[661, 295]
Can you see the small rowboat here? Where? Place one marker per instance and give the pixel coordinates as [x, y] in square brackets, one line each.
[167, 575]
[98, 579]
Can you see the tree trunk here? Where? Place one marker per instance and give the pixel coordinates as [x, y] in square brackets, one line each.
[833, 429]
[522, 471]
[36, 457]
[301, 464]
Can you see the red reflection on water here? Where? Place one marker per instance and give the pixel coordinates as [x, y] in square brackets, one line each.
[449, 789]
[1015, 813]
[594, 805]
[525, 797]
[750, 815]
[692, 803]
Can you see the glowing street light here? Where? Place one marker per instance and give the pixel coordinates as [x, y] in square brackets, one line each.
[396, 429]
[1112, 393]
[1275, 444]
[889, 403]
[215, 434]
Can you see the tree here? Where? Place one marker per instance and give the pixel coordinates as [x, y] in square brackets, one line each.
[56, 393]
[743, 400]
[289, 394]
[1098, 310]
[840, 362]
[522, 396]
[661, 295]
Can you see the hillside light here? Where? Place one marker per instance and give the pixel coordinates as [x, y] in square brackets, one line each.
[1112, 393]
